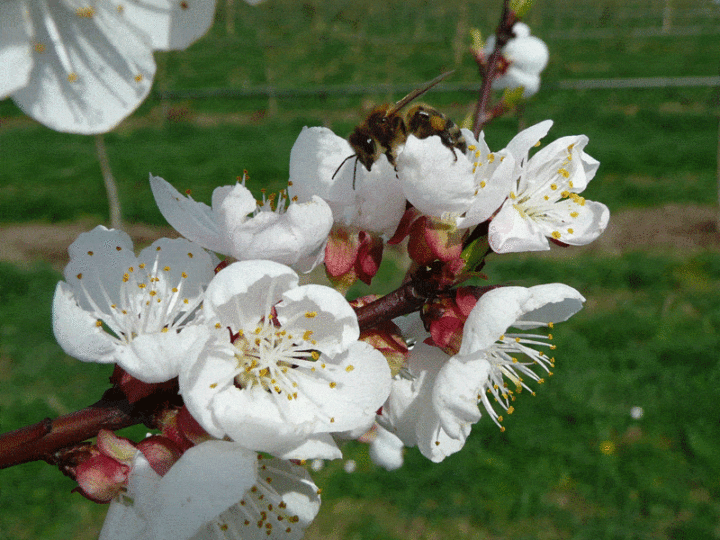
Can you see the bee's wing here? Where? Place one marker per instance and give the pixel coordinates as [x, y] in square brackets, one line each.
[418, 92]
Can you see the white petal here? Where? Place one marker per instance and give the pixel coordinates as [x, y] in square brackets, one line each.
[551, 303]
[324, 312]
[16, 59]
[243, 293]
[435, 179]
[455, 395]
[380, 202]
[208, 368]
[492, 192]
[591, 219]
[511, 233]
[179, 263]
[409, 408]
[528, 54]
[169, 24]
[98, 261]
[318, 446]
[494, 312]
[93, 70]
[521, 144]
[155, 358]
[386, 450]
[259, 421]
[314, 159]
[517, 78]
[206, 481]
[232, 204]
[362, 379]
[281, 505]
[194, 220]
[77, 331]
[288, 238]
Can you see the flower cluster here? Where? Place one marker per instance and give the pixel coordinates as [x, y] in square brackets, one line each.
[272, 372]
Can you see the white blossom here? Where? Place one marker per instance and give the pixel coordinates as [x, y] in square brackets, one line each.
[217, 489]
[117, 307]
[239, 226]
[544, 200]
[282, 368]
[82, 66]
[319, 166]
[463, 188]
[434, 403]
[524, 58]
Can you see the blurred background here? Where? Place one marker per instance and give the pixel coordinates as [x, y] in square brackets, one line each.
[621, 443]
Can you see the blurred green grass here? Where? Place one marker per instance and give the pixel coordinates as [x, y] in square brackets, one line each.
[648, 336]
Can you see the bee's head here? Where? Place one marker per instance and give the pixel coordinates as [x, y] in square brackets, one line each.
[365, 147]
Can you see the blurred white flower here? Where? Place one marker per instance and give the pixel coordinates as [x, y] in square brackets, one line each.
[116, 307]
[282, 368]
[637, 413]
[217, 489]
[318, 167]
[239, 226]
[544, 200]
[435, 402]
[386, 449]
[350, 466]
[82, 66]
[522, 60]
[461, 188]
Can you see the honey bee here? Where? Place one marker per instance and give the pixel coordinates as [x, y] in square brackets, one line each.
[385, 129]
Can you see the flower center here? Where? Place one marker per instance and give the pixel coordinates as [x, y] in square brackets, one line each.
[271, 359]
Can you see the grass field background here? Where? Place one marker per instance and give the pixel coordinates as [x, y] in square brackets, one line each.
[572, 463]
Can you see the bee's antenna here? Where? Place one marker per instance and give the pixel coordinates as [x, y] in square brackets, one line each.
[354, 171]
[419, 91]
[340, 166]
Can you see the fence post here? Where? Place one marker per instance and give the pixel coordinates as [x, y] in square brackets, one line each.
[667, 17]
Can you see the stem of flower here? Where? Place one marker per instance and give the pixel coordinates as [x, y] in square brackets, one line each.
[110, 185]
[502, 35]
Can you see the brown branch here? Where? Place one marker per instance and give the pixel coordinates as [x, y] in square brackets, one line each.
[409, 298]
[43, 440]
[503, 34]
